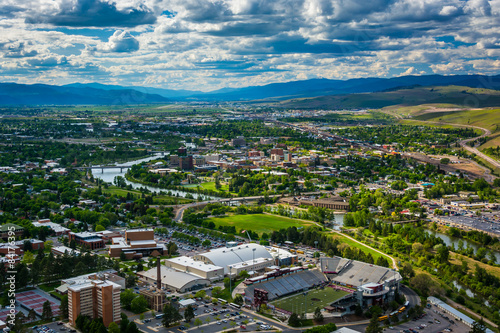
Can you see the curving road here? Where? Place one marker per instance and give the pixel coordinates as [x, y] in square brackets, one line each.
[463, 143]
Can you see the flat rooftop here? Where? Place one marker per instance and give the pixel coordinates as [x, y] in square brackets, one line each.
[139, 230]
[187, 261]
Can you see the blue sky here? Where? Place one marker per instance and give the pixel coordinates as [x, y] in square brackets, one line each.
[211, 44]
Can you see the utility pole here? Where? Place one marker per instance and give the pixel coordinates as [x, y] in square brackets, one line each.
[230, 293]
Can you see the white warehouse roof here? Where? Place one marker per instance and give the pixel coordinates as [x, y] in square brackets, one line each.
[189, 262]
[173, 278]
[225, 256]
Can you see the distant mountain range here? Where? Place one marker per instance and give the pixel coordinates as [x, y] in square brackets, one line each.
[95, 93]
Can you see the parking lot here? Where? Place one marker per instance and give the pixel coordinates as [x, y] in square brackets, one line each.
[212, 318]
[53, 328]
[434, 321]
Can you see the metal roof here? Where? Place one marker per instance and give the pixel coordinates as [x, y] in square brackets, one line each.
[227, 256]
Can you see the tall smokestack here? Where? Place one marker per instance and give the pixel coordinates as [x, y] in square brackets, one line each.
[158, 273]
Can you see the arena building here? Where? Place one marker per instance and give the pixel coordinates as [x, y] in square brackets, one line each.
[174, 280]
[231, 256]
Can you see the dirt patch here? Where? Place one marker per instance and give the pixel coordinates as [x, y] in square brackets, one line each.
[315, 299]
[466, 166]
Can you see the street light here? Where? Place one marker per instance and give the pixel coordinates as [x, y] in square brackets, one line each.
[230, 281]
[253, 261]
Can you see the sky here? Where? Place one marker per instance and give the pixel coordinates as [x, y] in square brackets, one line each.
[211, 44]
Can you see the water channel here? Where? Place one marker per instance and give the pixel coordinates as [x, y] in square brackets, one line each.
[108, 175]
[448, 240]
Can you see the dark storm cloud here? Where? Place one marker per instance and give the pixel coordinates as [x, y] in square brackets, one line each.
[10, 10]
[95, 13]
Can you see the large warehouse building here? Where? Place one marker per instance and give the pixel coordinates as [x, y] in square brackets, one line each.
[199, 268]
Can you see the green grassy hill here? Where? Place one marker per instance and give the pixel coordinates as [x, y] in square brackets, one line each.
[454, 95]
[488, 118]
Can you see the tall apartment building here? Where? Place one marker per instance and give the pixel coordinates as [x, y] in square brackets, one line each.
[96, 299]
[174, 161]
[186, 162]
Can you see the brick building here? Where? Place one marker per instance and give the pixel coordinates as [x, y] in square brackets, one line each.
[96, 299]
[90, 240]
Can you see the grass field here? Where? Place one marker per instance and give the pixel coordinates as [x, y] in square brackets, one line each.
[314, 298]
[211, 186]
[365, 249]
[259, 222]
[489, 118]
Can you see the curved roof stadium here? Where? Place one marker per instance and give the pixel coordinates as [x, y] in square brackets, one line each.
[227, 256]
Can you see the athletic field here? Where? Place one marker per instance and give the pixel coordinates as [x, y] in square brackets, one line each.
[315, 298]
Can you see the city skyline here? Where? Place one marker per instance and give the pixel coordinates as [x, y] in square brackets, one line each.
[208, 45]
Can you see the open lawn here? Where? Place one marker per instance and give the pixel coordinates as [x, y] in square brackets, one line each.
[211, 186]
[314, 299]
[365, 249]
[259, 222]
[49, 287]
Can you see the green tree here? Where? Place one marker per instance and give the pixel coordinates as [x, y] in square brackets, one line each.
[139, 304]
[126, 298]
[198, 322]
[114, 328]
[124, 322]
[227, 282]
[23, 276]
[330, 327]
[48, 245]
[63, 308]
[294, 320]
[32, 315]
[170, 315]
[132, 328]
[46, 311]
[374, 326]
[28, 258]
[130, 280]
[478, 327]
[216, 292]
[318, 316]
[238, 299]
[244, 274]
[407, 271]
[442, 253]
[18, 326]
[188, 313]
[99, 227]
[201, 293]
[122, 256]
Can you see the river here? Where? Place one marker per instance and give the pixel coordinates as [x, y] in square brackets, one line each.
[448, 240]
[109, 176]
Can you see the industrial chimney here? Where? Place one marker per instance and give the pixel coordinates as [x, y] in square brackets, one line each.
[158, 273]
